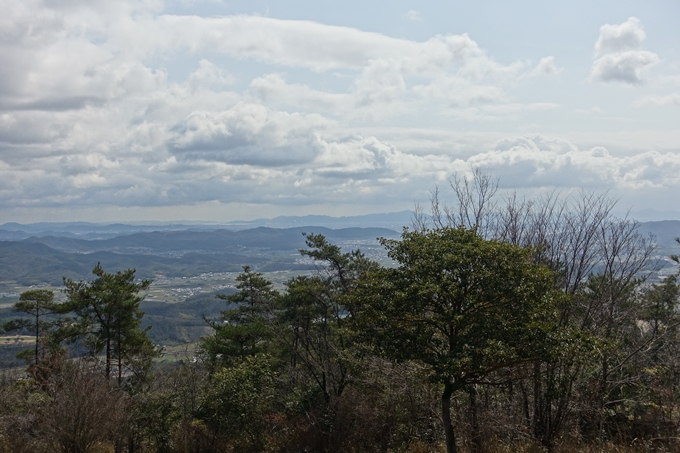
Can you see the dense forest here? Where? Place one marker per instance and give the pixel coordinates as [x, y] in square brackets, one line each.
[527, 325]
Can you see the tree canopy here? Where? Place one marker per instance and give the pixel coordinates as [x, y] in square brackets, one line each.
[463, 305]
[108, 316]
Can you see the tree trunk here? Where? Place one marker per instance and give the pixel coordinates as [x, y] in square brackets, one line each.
[37, 336]
[446, 417]
[120, 360]
[108, 357]
[476, 446]
[538, 426]
[603, 399]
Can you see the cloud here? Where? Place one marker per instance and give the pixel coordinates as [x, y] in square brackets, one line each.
[618, 53]
[209, 75]
[293, 43]
[616, 38]
[249, 153]
[501, 112]
[78, 55]
[386, 67]
[248, 134]
[273, 89]
[541, 161]
[413, 16]
[590, 111]
[113, 103]
[627, 67]
[545, 67]
[659, 101]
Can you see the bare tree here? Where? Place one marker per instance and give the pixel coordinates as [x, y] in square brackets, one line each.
[473, 206]
[578, 237]
[85, 409]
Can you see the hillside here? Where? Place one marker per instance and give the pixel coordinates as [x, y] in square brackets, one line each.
[169, 253]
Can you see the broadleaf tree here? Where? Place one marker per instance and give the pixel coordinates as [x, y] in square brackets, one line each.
[462, 305]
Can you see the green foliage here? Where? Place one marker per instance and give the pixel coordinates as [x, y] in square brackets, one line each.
[661, 304]
[155, 418]
[108, 317]
[238, 400]
[244, 330]
[460, 331]
[463, 305]
[315, 320]
[39, 306]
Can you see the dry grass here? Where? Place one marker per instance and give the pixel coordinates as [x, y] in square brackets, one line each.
[566, 446]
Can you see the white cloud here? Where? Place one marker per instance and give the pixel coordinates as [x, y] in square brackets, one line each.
[501, 112]
[548, 162]
[273, 89]
[627, 67]
[209, 75]
[94, 110]
[592, 110]
[385, 65]
[616, 38]
[81, 54]
[619, 57]
[659, 101]
[413, 16]
[248, 134]
[545, 67]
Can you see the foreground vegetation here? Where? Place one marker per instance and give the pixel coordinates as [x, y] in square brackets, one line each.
[528, 328]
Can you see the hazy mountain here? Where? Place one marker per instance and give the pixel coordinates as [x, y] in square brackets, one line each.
[210, 241]
[652, 215]
[34, 263]
[170, 253]
[91, 231]
[72, 249]
[392, 220]
[664, 232]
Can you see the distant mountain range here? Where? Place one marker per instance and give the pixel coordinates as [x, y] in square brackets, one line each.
[664, 232]
[44, 252]
[652, 215]
[218, 241]
[36, 260]
[393, 220]
[90, 231]
[29, 263]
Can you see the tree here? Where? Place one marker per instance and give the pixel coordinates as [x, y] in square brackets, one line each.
[462, 305]
[579, 239]
[244, 330]
[238, 400]
[84, 409]
[38, 304]
[314, 315]
[108, 316]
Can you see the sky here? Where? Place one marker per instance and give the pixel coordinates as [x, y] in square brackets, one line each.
[214, 110]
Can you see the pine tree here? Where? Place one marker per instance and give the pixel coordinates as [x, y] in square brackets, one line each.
[108, 316]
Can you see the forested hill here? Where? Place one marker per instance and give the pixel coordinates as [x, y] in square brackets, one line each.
[212, 241]
[29, 263]
[84, 230]
[172, 253]
[169, 253]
